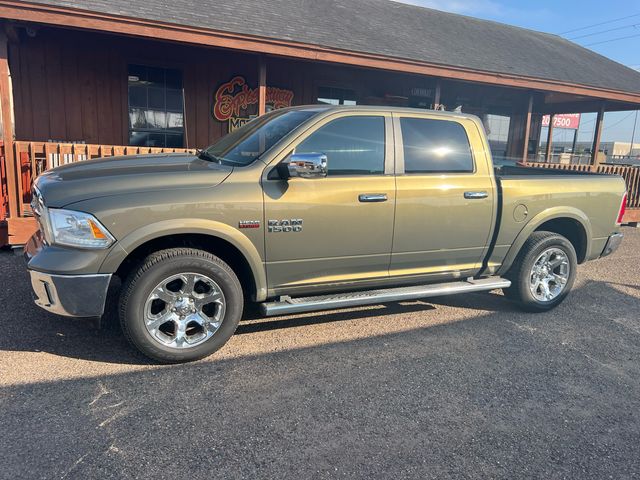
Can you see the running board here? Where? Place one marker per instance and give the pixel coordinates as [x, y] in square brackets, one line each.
[288, 305]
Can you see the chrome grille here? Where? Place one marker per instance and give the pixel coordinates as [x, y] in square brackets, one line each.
[39, 211]
[37, 202]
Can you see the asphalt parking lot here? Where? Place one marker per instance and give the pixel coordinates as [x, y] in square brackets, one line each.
[461, 387]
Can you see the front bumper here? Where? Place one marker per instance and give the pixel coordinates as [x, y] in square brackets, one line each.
[612, 244]
[71, 295]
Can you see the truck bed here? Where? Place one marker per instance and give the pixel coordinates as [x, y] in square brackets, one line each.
[528, 195]
[515, 171]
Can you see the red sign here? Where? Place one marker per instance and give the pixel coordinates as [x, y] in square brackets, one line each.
[565, 120]
[235, 96]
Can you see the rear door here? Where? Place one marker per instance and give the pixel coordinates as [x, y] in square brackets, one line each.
[445, 202]
[343, 222]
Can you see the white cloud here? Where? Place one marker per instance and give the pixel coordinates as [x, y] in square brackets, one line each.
[530, 16]
[466, 7]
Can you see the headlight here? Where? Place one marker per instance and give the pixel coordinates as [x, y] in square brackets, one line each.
[77, 229]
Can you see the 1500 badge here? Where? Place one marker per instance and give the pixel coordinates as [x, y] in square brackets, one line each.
[289, 225]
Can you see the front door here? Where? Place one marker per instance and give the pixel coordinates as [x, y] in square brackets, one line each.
[337, 229]
[445, 197]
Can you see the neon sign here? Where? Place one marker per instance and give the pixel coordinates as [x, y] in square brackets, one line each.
[234, 97]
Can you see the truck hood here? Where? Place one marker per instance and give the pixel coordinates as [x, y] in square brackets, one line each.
[129, 174]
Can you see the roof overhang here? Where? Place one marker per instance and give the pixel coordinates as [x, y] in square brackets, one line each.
[87, 20]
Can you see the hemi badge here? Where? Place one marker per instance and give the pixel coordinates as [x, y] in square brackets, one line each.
[249, 224]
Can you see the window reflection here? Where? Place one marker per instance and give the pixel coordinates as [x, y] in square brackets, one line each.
[336, 96]
[435, 146]
[497, 128]
[156, 117]
[353, 145]
[247, 143]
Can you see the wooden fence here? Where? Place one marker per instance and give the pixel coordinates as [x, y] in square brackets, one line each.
[631, 175]
[33, 158]
[4, 199]
[4, 191]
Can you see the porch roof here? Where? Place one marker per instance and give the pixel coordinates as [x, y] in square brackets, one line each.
[386, 30]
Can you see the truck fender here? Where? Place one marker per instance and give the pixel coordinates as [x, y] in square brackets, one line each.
[190, 226]
[533, 224]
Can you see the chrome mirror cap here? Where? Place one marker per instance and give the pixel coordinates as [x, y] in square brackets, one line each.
[307, 165]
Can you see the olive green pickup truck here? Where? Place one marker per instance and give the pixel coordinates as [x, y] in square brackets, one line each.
[310, 208]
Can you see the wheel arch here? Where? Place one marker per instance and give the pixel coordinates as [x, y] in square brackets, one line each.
[217, 238]
[571, 223]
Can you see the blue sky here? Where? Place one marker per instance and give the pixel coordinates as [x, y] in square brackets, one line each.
[565, 17]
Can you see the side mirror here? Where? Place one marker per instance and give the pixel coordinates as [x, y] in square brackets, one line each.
[306, 165]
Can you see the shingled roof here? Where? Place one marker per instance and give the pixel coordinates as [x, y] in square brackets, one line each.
[387, 28]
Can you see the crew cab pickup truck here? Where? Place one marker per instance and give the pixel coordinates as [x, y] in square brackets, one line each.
[310, 208]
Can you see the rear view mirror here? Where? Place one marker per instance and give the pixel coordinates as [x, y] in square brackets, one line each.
[306, 165]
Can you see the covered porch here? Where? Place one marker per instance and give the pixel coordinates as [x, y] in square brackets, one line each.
[75, 93]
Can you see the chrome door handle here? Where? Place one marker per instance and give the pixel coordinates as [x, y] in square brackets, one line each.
[475, 195]
[372, 197]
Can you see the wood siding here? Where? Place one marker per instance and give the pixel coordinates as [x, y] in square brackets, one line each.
[71, 86]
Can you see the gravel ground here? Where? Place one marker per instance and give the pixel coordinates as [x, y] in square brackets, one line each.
[461, 387]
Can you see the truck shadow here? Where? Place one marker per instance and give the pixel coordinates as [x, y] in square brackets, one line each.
[253, 322]
[473, 392]
[25, 327]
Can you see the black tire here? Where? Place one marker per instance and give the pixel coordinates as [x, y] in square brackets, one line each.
[155, 269]
[520, 273]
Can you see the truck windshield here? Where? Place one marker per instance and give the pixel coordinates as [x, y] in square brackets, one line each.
[244, 145]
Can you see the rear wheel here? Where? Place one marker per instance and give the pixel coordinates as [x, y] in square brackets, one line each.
[543, 273]
[180, 305]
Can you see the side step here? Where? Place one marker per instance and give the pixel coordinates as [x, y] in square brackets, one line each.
[289, 305]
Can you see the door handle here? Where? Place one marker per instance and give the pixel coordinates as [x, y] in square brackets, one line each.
[372, 197]
[475, 195]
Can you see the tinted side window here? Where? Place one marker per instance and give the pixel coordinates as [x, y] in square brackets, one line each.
[353, 145]
[435, 146]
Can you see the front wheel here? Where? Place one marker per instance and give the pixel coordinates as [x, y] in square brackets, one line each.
[181, 304]
[543, 273]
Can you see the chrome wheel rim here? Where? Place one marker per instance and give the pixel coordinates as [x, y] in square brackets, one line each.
[549, 275]
[184, 310]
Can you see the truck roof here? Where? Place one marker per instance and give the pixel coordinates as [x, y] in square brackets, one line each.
[375, 108]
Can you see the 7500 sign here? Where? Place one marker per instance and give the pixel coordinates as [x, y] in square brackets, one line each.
[566, 120]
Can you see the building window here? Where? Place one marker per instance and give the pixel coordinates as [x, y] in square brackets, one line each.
[353, 145]
[432, 146]
[156, 116]
[336, 96]
[497, 128]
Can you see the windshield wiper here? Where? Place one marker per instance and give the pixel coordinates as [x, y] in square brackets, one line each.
[205, 155]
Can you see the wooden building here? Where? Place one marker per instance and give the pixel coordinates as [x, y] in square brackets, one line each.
[87, 78]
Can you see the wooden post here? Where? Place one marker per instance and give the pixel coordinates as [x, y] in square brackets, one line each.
[262, 86]
[596, 136]
[436, 94]
[527, 130]
[547, 155]
[7, 126]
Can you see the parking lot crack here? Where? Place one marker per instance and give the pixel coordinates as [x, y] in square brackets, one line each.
[525, 328]
[75, 464]
[102, 392]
